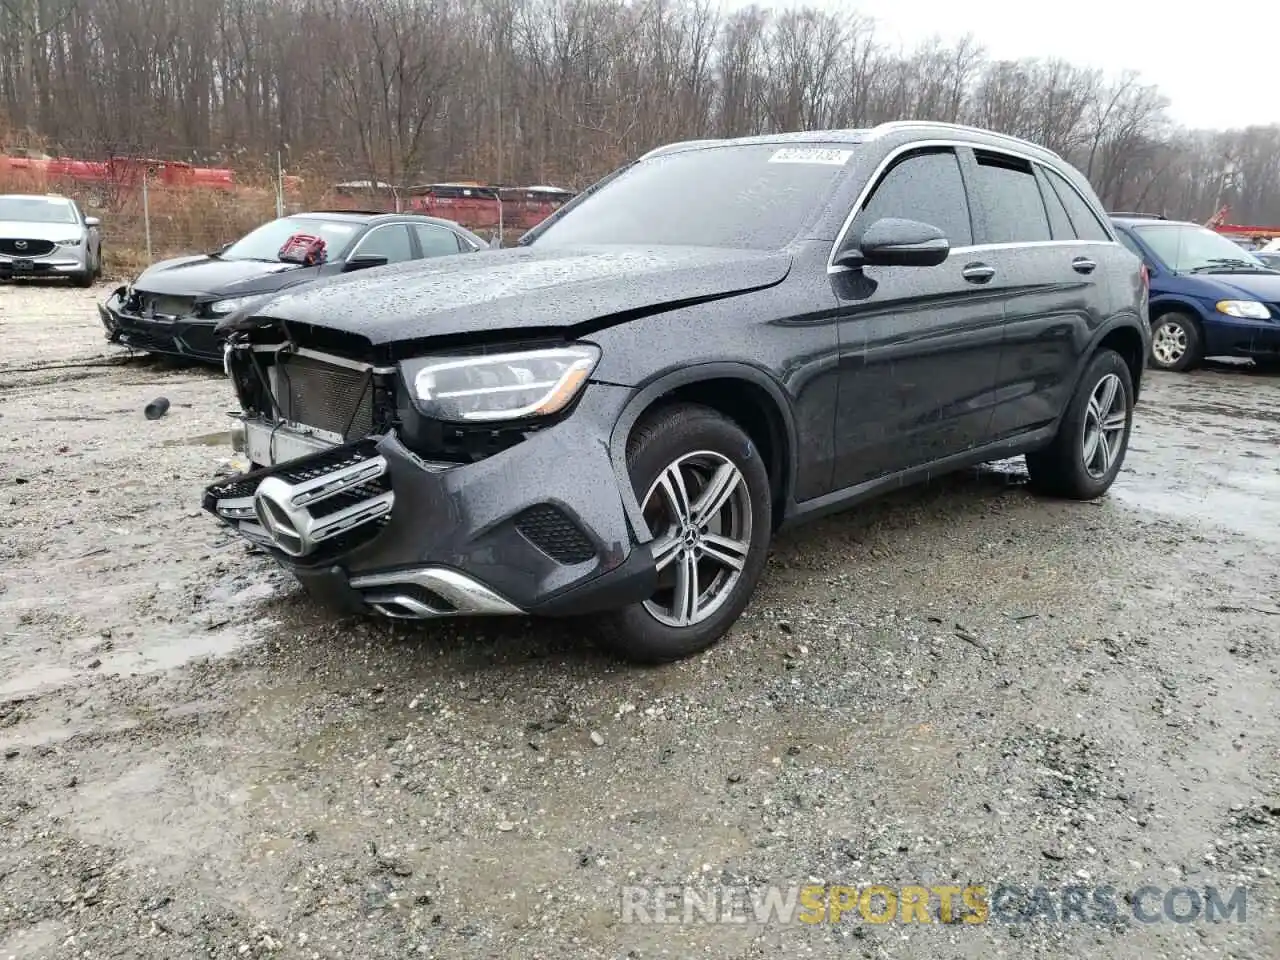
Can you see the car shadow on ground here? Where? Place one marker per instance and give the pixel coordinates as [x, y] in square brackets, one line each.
[464, 647]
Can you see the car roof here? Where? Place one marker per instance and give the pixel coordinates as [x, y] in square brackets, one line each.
[903, 130]
[370, 216]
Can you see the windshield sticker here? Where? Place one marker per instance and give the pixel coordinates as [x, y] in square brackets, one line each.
[833, 158]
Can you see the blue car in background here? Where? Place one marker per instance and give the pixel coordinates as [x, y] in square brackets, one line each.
[1209, 297]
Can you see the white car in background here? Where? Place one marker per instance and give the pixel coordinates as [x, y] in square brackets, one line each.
[44, 235]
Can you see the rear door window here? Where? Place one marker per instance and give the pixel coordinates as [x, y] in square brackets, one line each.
[1008, 199]
[436, 241]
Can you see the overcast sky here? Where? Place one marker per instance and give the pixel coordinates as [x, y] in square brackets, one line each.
[1188, 52]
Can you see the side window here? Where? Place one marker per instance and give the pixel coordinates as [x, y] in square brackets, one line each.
[1059, 222]
[1086, 222]
[1009, 198]
[925, 187]
[390, 241]
[436, 241]
[1131, 245]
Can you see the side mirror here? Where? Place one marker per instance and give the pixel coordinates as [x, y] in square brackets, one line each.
[892, 242]
[364, 262]
[92, 222]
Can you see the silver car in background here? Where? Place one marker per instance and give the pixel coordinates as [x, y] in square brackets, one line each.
[44, 235]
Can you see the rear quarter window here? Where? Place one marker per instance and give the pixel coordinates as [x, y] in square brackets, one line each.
[1131, 245]
[1086, 222]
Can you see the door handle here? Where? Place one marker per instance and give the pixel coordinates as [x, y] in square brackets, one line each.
[1083, 265]
[978, 273]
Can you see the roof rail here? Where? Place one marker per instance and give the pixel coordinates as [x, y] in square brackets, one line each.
[893, 125]
[1136, 216]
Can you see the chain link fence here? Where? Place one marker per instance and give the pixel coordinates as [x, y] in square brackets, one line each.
[152, 209]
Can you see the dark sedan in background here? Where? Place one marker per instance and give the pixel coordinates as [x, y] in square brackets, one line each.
[173, 306]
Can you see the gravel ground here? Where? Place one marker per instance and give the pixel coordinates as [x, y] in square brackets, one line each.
[960, 684]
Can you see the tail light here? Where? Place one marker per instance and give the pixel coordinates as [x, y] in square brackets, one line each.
[1146, 278]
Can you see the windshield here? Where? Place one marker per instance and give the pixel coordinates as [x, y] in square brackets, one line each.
[265, 242]
[1186, 248]
[754, 197]
[37, 210]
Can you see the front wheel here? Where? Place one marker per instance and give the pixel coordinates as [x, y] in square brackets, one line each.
[704, 492]
[1176, 343]
[1082, 461]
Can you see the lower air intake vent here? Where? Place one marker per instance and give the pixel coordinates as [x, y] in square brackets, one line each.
[552, 532]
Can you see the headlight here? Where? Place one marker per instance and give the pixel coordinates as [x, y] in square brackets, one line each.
[220, 308]
[73, 242]
[506, 386]
[1249, 309]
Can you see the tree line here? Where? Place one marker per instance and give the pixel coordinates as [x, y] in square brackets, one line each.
[561, 91]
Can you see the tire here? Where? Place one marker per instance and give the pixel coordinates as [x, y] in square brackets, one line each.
[1177, 338]
[701, 445]
[97, 265]
[83, 278]
[1065, 468]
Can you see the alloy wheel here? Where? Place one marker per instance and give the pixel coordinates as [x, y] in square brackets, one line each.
[1105, 419]
[1169, 343]
[700, 510]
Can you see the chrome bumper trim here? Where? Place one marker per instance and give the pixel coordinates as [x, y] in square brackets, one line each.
[448, 593]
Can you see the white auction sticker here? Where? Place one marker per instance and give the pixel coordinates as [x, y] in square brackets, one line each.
[834, 158]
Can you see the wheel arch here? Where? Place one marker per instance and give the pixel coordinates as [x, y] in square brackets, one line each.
[1175, 304]
[742, 393]
[1125, 336]
[1126, 340]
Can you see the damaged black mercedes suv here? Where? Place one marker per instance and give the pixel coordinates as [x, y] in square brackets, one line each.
[720, 339]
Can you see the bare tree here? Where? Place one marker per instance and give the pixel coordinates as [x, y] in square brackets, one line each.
[561, 90]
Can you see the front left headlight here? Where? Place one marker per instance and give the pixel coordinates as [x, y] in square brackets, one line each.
[220, 308]
[506, 386]
[70, 242]
[1246, 309]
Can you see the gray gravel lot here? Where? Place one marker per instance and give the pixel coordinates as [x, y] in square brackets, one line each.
[960, 684]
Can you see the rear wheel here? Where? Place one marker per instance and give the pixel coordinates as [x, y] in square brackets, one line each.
[705, 495]
[1176, 343]
[1082, 461]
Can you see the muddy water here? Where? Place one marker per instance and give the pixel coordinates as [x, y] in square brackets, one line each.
[960, 683]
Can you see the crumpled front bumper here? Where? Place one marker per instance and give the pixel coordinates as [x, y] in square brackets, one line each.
[184, 337]
[539, 528]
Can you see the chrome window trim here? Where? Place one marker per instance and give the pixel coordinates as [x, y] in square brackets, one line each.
[897, 152]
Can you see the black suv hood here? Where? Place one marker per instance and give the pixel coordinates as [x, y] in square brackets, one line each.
[527, 288]
[203, 275]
